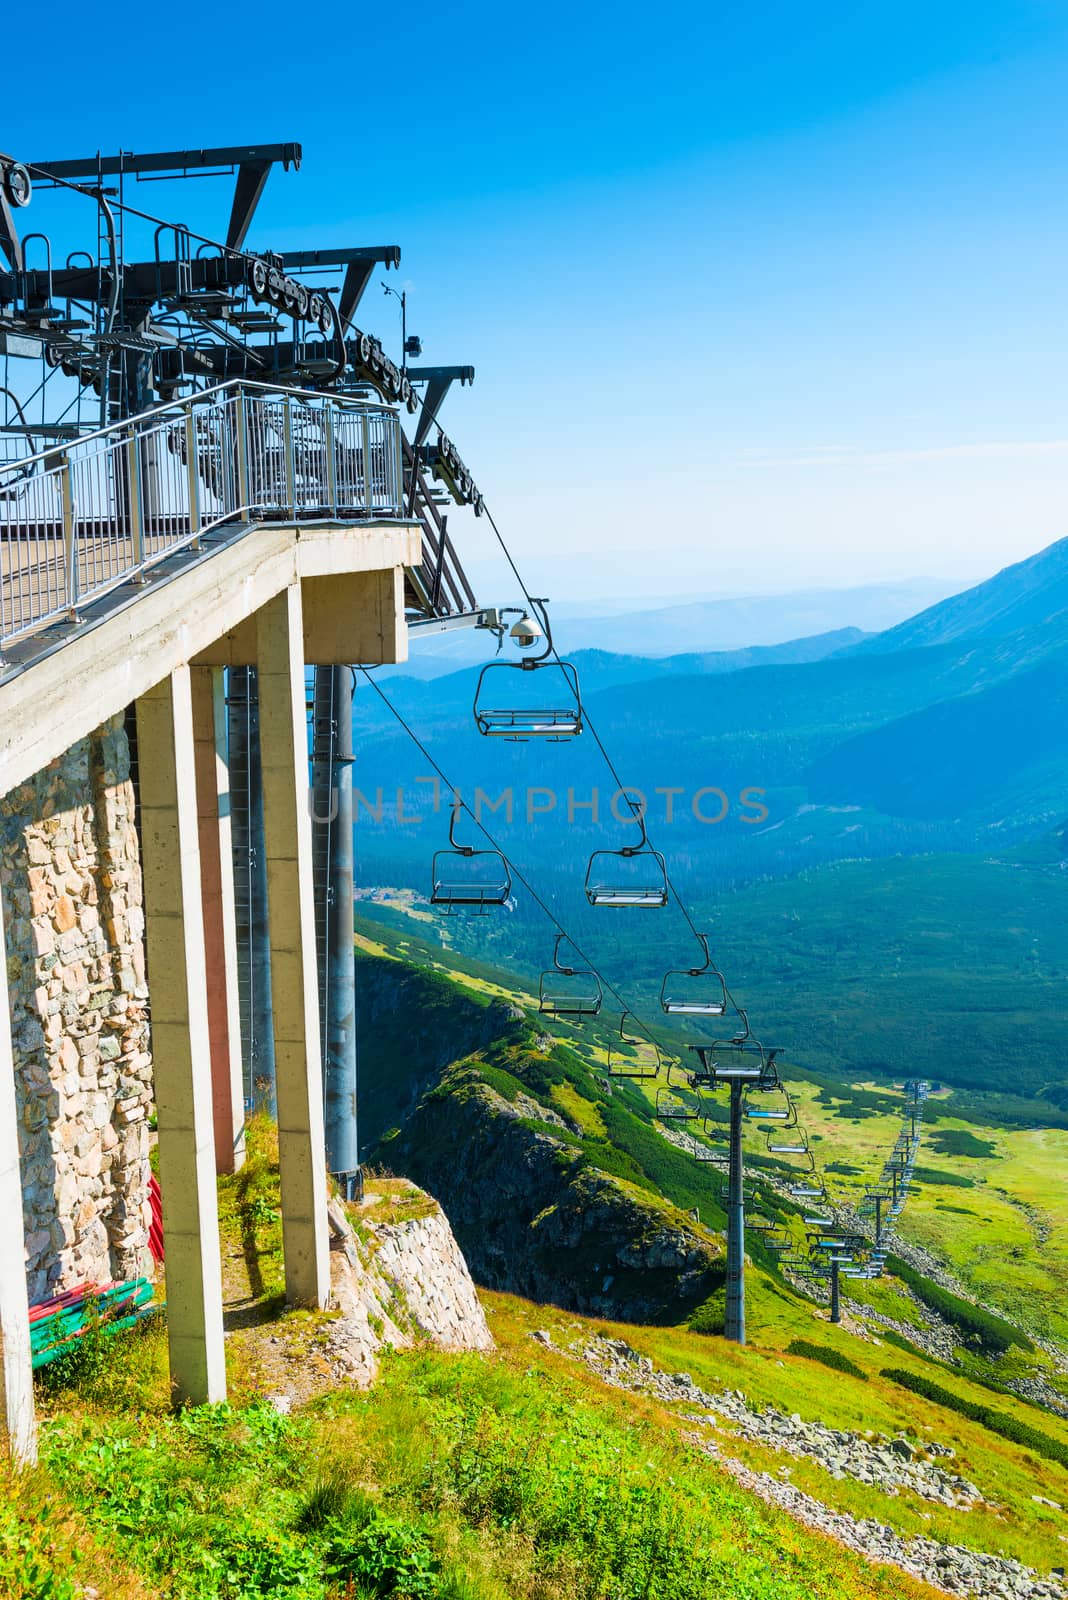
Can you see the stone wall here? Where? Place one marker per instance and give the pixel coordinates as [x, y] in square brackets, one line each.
[70, 879]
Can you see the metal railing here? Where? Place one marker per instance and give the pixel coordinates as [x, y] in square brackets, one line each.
[77, 520]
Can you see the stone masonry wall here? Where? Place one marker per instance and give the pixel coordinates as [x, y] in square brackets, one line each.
[70, 878]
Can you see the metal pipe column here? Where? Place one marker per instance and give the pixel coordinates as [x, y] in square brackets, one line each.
[878, 1221]
[836, 1304]
[735, 1318]
[333, 861]
[250, 887]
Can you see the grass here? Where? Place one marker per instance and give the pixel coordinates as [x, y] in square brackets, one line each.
[467, 1478]
[454, 1477]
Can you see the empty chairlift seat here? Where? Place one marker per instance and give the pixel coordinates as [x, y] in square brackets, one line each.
[566, 991]
[528, 700]
[633, 876]
[680, 1098]
[464, 878]
[794, 1143]
[779, 1114]
[633, 1054]
[695, 991]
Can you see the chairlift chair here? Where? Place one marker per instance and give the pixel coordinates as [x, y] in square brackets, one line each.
[707, 1152]
[636, 1057]
[781, 1145]
[782, 1116]
[695, 991]
[464, 878]
[669, 1108]
[807, 1191]
[500, 712]
[572, 992]
[633, 876]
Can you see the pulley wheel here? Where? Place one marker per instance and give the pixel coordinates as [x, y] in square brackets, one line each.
[258, 278]
[17, 185]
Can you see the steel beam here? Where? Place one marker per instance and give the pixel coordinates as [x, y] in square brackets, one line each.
[176, 163]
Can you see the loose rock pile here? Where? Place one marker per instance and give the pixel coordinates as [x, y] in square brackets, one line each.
[935, 1339]
[1040, 1393]
[950, 1567]
[887, 1464]
[954, 1569]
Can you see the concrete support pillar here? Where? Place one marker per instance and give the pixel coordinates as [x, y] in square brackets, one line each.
[16, 1373]
[180, 1038]
[220, 925]
[291, 921]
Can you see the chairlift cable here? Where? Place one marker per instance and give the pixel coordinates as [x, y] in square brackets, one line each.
[462, 805]
[599, 742]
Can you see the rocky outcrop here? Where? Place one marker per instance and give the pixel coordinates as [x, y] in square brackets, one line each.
[535, 1217]
[397, 1282]
[423, 1262]
[71, 879]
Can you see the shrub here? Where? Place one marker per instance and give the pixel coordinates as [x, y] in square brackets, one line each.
[999, 1422]
[82, 1362]
[711, 1316]
[979, 1328]
[829, 1358]
[383, 1557]
[959, 1142]
[934, 1175]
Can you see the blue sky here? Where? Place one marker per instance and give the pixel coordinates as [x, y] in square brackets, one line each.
[758, 298]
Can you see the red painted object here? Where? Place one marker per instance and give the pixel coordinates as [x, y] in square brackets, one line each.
[155, 1227]
[60, 1302]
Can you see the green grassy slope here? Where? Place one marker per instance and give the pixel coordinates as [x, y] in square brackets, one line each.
[990, 1200]
[517, 1476]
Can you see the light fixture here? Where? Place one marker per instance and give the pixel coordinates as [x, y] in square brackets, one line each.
[526, 632]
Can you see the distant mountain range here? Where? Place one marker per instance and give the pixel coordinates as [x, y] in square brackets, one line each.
[944, 738]
[945, 732]
[717, 625]
[1032, 594]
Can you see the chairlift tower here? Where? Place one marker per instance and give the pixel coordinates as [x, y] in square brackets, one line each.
[743, 1067]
